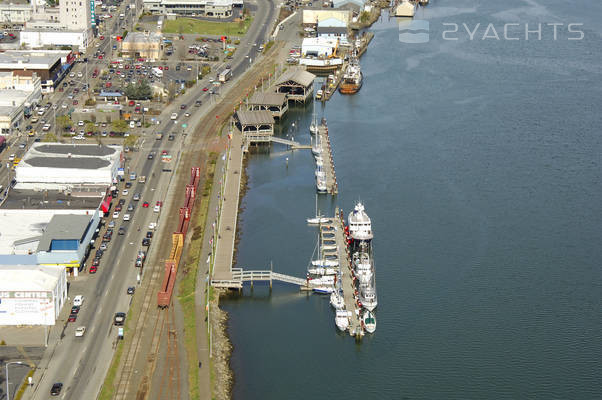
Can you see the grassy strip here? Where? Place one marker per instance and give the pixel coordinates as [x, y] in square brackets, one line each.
[187, 284]
[108, 387]
[195, 26]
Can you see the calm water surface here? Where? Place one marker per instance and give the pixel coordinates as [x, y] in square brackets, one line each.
[479, 162]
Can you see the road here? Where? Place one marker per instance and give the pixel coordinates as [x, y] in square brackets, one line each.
[81, 363]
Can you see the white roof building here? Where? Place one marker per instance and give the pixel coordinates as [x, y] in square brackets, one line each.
[318, 47]
[31, 294]
[69, 167]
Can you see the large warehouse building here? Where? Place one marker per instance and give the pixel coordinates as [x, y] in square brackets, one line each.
[31, 294]
[74, 168]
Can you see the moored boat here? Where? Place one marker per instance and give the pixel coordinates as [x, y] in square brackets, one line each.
[337, 301]
[341, 319]
[321, 181]
[360, 226]
[318, 220]
[369, 321]
[367, 297]
[323, 289]
[352, 78]
[322, 270]
[325, 263]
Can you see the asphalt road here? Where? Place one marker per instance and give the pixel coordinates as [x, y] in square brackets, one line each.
[81, 363]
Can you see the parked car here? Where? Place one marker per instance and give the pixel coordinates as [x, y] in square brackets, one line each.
[80, 331]
[119, 319]
[56, 388]
[121, 231]
[131, 290]
[72, 318]
[78, 300]
[146, 242]
[75, 309]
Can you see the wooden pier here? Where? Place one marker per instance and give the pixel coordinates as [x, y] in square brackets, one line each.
[364, 41]
[332, 186]
[330, 88]
[349, 293]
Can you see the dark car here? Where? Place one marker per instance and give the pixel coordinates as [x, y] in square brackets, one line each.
[130, 207]
[150, 156]
[121, 202]
[198, 103]
[146, 242]
[99, 252]
[131, 290]
[72, 317]
[128, 185]
[56, 389]
[183, 107]
[96, 262]
[74, 309]
[171, 137]
[121, 231]
[149, 234]
[119, 318]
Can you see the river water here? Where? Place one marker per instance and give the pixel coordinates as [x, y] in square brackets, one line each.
[479, 162]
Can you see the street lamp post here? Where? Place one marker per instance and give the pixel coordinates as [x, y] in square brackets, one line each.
[6, 372]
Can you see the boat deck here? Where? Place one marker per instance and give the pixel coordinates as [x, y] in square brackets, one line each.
[351, 303]
[332, 186]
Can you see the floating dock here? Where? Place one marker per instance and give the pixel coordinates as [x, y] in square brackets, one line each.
[331, 86]
[332, 186]
[349, 291]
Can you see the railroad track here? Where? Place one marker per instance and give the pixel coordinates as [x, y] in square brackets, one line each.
[157, 323]
[169, 388]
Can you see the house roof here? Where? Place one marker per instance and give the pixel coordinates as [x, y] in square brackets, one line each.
[332, 29]
[332, 21]
[255, 117]
[268, 99]
[297, 75]
[340, 3]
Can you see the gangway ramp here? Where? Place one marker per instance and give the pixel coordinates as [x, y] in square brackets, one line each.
[239, 276]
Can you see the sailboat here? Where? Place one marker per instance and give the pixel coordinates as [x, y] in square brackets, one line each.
[313, 127]
[318, 219]
[316, 147]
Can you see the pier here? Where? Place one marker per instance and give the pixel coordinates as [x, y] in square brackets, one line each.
[332, 186]
[351, 303]
[330, 87]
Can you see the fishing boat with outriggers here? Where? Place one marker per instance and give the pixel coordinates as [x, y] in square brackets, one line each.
[352, 78]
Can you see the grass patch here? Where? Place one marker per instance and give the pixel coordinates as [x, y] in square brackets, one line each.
[195, 26]
[108, 387]
[187, 284]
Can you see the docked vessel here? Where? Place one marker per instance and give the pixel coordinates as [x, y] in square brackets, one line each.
[316, 147]
[352, 79]
[363, 267]
[321, 181]
[325, 263]
[360, 226]
[318, 220]
[367, 297]
[337, 301]
[322, 270]
[369, 321]
[313, 127]
[323, 289]
[341, 320]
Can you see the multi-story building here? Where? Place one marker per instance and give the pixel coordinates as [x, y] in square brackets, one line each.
[202, 8]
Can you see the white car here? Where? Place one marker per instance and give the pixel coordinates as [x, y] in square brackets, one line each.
[79, 331]
[63, 105]
[174, 116]
[125, 192]
[79, 137]
[157, 208]
[116, 214]
[80, 123]
[152, 225]
[126, 217]
[79, 75]
[78, 300]
[46, 127]
[11, 157]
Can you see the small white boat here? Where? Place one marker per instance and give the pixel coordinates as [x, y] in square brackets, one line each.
[318, 220]
[341, 320]
[329, 247]
[321, 181]
[323, 289]
[337, 301]
[368, 297]
[325, 263]
[316, 147]
[322, 271]
[324, 280]
[313, 127]
[369, 321]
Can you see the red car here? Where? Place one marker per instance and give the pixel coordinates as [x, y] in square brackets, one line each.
[132, 103]
[93, 269]
[108, 85]
[161, 67]
[100, 57]
[145, 204]
[75, 102]
[72, 317]
[166, 68]
[205, 89]
[164, 153]
[102, 37]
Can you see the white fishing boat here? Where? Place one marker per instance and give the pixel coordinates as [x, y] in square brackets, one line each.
[369, 321]
[325, 263]
[337, 301]
[322, 270]
[363, 268]
[360, 226]
[341, 320]
[323, 289]
[368, 298]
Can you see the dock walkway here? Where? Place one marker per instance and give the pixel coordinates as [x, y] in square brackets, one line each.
[355, 327]
[332, 186]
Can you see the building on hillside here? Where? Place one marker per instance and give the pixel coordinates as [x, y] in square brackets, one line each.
[50, 65]
[204, 8]
[142, 44]
[31, 294]
[85, 170]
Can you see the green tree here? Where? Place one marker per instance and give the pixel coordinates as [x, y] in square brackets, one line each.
[90, 127]
[64, 121]
[139, 91]
[120, 126]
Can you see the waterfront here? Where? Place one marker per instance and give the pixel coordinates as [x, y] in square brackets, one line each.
[480, 166]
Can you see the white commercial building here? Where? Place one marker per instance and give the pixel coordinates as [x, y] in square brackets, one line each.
[15, 13]
[73, 27]
[69, 167]
[18, 94]
[319, 47]
[31, 294]
[49, 65]
[205, 8]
